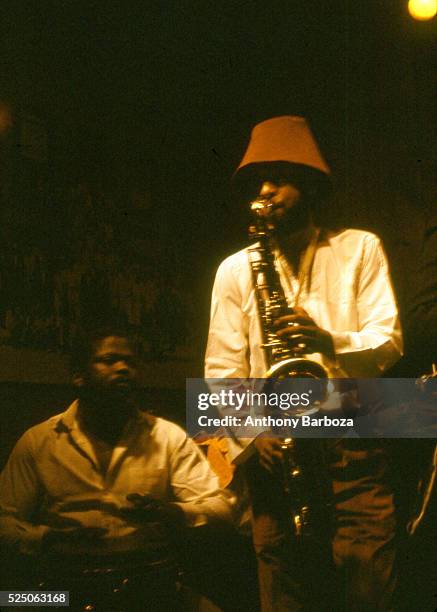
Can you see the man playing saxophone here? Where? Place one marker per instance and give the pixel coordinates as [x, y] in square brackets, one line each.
[342, 315]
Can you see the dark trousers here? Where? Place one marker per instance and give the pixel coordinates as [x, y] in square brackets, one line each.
[220, 564]
[356, 573]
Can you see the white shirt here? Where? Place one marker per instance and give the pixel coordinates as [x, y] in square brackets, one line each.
[53, 476]
[348, 294]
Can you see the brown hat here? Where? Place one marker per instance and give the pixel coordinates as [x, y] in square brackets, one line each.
[285, 139]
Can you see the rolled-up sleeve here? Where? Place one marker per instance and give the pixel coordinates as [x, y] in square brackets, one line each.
[377, 342]
[195, 487]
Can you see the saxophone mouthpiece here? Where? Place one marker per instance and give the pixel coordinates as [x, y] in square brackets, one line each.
[257, 205]
[261, 205]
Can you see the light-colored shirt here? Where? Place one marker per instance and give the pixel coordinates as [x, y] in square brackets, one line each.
[53, 479]
[348, 293]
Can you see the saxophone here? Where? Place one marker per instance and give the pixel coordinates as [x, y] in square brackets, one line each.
[301, 460]
[271, 304]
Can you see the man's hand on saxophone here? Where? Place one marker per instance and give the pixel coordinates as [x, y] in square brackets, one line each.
[303, 334]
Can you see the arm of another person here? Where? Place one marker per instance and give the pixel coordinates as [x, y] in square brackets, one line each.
[422, 318]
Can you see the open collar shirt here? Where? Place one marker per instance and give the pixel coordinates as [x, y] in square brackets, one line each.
[348, 293]
[53, 479]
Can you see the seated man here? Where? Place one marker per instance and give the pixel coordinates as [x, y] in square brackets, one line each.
[103, 484]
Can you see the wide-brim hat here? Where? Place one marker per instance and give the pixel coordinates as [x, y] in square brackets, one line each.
[286, 142]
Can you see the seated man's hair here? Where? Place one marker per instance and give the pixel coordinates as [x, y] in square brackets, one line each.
[85, 344]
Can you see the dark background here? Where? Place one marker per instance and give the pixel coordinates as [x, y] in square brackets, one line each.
[148, 106]
[120, 126]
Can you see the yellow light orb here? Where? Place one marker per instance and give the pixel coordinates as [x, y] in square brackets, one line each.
[422, 9]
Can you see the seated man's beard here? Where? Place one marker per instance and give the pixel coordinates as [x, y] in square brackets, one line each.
[107, 396]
